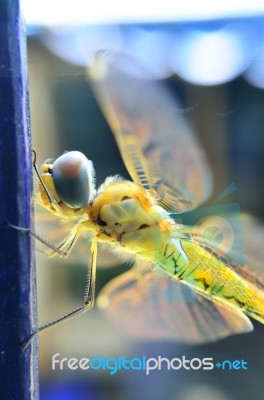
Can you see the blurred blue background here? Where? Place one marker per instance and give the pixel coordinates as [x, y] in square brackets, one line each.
[212, 58]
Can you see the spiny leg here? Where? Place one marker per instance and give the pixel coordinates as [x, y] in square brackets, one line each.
[88, 297]
[50, 197]
[36, 236]
[65, 246]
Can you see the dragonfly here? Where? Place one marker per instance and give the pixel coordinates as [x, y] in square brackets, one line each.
[183, 284]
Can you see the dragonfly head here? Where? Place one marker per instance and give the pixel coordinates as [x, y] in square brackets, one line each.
[73, 178]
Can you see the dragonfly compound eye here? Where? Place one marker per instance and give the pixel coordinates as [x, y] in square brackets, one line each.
[73, 178]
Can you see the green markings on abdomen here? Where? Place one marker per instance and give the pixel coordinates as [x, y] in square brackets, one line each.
[209, 276]
[174, 260]
[199, 270]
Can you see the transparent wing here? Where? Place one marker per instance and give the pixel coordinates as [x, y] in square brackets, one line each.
[149, 305]
[156, 143]
[254, 239]
[52, 229]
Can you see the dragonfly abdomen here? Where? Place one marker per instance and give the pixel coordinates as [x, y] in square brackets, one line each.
[211, 277]
[174, 260]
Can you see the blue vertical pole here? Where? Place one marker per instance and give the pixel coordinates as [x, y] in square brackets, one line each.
[18, 368]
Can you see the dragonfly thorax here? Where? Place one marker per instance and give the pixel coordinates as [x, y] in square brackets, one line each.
[130, 215]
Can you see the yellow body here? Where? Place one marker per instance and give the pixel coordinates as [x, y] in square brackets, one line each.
[170, 174]
[128, 219]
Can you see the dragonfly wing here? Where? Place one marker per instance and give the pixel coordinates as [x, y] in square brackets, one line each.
[150, 305]
[51, 229]
[254, 249]
[156, 143]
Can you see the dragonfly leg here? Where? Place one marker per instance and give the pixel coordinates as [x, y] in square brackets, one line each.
[50, 197]
[39, 238]
[88, 297]
[66, 245]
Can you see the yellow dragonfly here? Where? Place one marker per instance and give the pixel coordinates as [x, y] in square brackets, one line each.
[184, 285]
